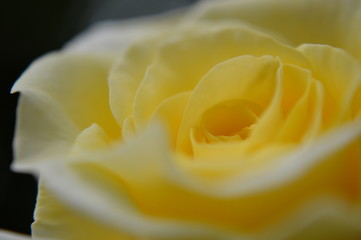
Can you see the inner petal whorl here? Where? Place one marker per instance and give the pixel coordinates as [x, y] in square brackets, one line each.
[230, 118]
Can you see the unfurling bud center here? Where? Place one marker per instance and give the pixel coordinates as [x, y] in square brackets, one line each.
[232, 119]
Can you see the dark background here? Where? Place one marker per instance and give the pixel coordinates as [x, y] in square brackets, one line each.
[29, 29]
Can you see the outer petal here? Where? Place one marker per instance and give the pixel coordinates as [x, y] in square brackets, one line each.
[114, 37]
[108, 210]
[61, 94]
[340, 75]
[330, 22]
[55, 220]
[150, 197]
[6, 235]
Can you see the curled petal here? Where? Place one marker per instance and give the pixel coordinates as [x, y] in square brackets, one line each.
[61, 94]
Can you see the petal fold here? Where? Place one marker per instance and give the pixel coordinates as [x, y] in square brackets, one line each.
[61, 94]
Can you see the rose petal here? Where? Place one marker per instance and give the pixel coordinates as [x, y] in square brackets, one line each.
[303, 121]
[170, 112]
[340, 75]
[55, 220]
[132, 196]
[126, 76]
[7, 235]
[114, 37]
[109, 209]
[246, 77]
[61, 94]
[198, 48]
[335, 23]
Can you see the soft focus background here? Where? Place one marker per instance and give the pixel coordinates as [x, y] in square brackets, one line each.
[29, 29]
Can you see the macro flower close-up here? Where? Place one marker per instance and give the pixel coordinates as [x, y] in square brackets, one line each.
[234, 119]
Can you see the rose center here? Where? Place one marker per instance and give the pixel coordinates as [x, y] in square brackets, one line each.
[231, 118]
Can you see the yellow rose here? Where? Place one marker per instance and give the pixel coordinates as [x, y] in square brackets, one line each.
[234, 120]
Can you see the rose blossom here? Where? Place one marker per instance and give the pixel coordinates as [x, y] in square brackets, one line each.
[232, 120]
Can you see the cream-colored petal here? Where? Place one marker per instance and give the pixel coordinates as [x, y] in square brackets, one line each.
[92, 138]
[320, 219]
[332, 220]
[304, 121]
[58, 220]
[114, 37]
[61, 94]
[55, 220]
[293, 164]
[171, 195]
[145, 193]
[93, 195]
[170, 112]
[340, 75]
[246, 78]
[7, 235]
[186, 57]
[266, 127]
[302, 21]
[119, 39]
[126, 76]
[43, 131]
[356, 104]
[295, 82]
[128, 129]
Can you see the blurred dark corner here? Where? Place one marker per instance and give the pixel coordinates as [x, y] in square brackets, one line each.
[29, 29]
